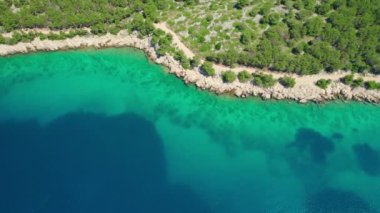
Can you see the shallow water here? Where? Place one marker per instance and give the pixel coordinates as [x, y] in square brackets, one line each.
[108, 131]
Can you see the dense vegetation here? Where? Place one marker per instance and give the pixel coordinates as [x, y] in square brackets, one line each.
[300, 36]
[100, 16]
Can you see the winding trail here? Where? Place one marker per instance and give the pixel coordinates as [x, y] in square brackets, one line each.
[176, 39]
[306, 80]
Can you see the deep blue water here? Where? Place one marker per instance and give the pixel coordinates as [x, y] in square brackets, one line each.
[88, 163]
[108, 131]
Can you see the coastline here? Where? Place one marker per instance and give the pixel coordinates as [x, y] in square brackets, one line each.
[304, 91]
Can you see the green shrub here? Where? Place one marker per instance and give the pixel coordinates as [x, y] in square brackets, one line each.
[2, 40]
[323, 83]
[252, 13]
[208, 69]
[114, 30]
[287, 81]
[229, 76]
[81, 32]
[348, 79]
[185, 63]
[351, 81]
[194, 62]
[359, 82]
[264, 80]
[244, 76]
[371, 85]
[264, 10]
[54, 36]
[274, 18]
[71, 34]
[180, 56]
[209, 18]
[42, 36]
[16, 37]
[241, 3]
[218, 46]
[98, 29]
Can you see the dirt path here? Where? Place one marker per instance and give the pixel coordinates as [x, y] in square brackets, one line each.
[176, 39]
[301, 80]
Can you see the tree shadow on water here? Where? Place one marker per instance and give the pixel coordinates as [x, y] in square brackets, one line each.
[317, 145]
[307, 156]
[368, 159]
[88, 163]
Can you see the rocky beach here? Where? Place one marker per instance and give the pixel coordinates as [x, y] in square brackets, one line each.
[304, 91]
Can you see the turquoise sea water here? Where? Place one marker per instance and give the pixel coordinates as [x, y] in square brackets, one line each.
[108, 131]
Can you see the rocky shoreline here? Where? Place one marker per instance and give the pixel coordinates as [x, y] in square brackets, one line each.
[303, 92]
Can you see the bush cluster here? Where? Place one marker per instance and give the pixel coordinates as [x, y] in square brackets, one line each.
[264, 80]
[244, 76]
[323, 83]
[208, 69]
[372, 85]
[287, 81]
[351, 81]
[229, 76]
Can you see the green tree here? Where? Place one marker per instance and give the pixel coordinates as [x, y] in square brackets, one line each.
[326, 54]
[314, 26]
[341, 20]
[330, 34]
[295, 29]
[304, 65]
[150, 11]
[323, 8]
[309, 4]
[230, 57]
